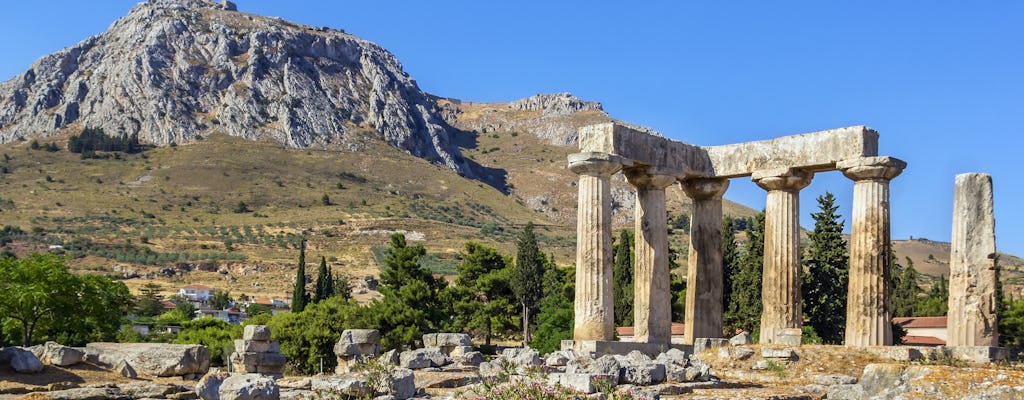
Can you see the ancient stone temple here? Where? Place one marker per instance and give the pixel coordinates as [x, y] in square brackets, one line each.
[782, 167]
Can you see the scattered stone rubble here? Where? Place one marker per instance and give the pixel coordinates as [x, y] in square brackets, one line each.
[255, 353]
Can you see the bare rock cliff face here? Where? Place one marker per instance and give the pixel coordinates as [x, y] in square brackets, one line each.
[173, 69]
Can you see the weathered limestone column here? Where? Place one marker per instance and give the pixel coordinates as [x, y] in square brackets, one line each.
[594, 307]
[652, 297]
[868, 318]
[972, 270]
[704, 271]
[780, 287]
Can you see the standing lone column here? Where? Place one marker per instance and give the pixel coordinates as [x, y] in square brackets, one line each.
[594, 307]
[868, 318]
[704, 268]
[780, 288]
[652, 297]
[972, 270]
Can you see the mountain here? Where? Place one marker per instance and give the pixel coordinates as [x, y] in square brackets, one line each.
[172, 70]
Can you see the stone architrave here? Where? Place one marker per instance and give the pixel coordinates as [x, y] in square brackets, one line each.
[594, 308]
[972, 269]
[780, 292]
[652, 297]
[867, 300]
[704, 272]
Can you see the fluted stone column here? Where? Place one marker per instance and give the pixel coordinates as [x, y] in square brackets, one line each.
[652, 297]
[594, 307]
[780, 289]
[704, 270]
[868, 319]
[972, 270]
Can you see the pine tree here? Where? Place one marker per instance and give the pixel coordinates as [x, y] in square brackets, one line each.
[826, 273]
[527, 276]
[622, 277]
[299, 296]
[744, 308]
[483, 298]
[412, 305]
[323, 282]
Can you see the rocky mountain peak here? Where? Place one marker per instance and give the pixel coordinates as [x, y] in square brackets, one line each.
[172, 70]
[555, 104]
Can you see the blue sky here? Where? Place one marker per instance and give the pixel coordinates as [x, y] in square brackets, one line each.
[942, 81]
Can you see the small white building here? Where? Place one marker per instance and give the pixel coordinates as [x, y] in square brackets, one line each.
[200, 293]
[923, 331]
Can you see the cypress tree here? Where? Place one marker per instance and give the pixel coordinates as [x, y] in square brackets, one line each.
[730, 263]
[622, 277]
[905, 291]
[323, 282]
[299, 297]
[826, 273]
[744, 308]
[527, 275]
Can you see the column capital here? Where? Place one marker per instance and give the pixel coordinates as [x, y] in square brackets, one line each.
[872, 168]
[643, 178]
[595, 164]
[705, 188]
[785, 179]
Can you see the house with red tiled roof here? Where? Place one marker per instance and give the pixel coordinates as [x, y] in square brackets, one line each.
[200, 293]
[923, 331]
[625, 333]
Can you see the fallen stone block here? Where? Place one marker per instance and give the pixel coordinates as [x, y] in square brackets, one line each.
[846, 392]
[778, 353]
[423, 358]
[446, 340]
[644, 374]
[980, 354]
[257, 346]
[700, 345]
[829, 380]
[336, 387]
[153, 359]
[256, 332]
[741, 339]
[789, 337]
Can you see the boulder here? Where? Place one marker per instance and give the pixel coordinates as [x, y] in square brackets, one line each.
[256, 332]
[249, 387]
[673, 356]
[522, 358]
[644, 374]
[59, 355]
[208, 387]
[124, 369]
[559, 358]
[423, 358]
[473, 358]
[153, 359]
[742, 339]
[21, 360]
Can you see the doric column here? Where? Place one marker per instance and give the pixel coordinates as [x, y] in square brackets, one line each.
[594, 307]
[868, 318]
[780, 288]
[704, 270]
[972, 271]
[652, 297]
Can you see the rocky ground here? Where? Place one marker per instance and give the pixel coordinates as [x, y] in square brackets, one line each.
[733, 371]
